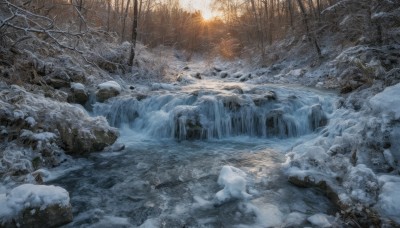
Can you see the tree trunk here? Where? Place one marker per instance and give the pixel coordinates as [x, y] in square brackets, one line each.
[124, 20]
[290, 12]
[134, 32]
[108, 14]
[310, 36]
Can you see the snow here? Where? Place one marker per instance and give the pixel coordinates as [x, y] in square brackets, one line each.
[319, 220]
[234, 182]
[387, 101]
[31, 121]
[150, 223]
[31, 196]
[110, 85]
[389, 158]
[389, 198]
[44, 136]
[362, 184]
[294, 219]
[78, 86]
[18, 114]
[267, 215]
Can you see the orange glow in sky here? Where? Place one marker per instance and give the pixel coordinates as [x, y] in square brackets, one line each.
[203, 5]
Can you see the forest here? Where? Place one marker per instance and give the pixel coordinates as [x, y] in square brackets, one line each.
[191, 113]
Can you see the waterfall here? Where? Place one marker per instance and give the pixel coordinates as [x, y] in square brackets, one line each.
[216, 114]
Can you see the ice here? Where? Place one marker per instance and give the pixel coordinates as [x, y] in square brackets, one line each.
[110, 85]
[31, 121]
[150, 223]
[112, 221]
[234, 182]
[267, 215]
[362, 184]
[18, 114]
[294, 219]
[319, 220]
[77, 86]
[389, 197]
[387, 101]
[44, 136]
[201, 203]
[389, 158]
[31, 196]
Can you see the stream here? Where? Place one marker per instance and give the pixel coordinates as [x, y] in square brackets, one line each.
[178, 139]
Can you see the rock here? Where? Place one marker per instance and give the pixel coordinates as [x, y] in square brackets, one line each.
[58, 79]
[217, 69]
[320, 182]
[321, 220]
[197, 75]
[263, 100]
[187, 124]
[234, 89]
[52, 216]
[141, 96]
[317, 117]
[246, 77]
[116, 147]
[233, 102]
[185, 78]
[237, 75]
[224, 75]
[31, 205]
[78, 141]
[392, 77]
[79, 94]
[351, 79]
[107, 90]
[278, 125]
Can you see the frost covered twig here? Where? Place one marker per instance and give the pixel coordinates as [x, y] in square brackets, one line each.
[36, 24]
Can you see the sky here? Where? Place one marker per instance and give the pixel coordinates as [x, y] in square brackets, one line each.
[202, 5]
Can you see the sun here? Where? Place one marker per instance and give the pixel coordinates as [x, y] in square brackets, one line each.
[204, 6]
[207, 15]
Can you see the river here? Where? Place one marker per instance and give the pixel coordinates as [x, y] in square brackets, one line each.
[179, 138]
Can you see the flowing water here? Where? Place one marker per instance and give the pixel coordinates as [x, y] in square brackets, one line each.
[178, 138]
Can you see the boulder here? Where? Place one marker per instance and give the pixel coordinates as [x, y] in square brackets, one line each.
[265, 99]
[234, 89]
[317, 117]
[351, 79]
[116, 147]
[79, 141]
[107, 90]
[31, 205]
[78, 94]
[187, 124]
[224, 75]
[58, 79]
[278, 125]
[197, 75]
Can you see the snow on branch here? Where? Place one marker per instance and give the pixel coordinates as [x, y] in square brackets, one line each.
[21, 19]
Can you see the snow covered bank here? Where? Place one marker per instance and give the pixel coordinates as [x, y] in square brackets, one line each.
[353, 151]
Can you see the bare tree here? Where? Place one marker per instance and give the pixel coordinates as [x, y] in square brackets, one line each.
[134, 33]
